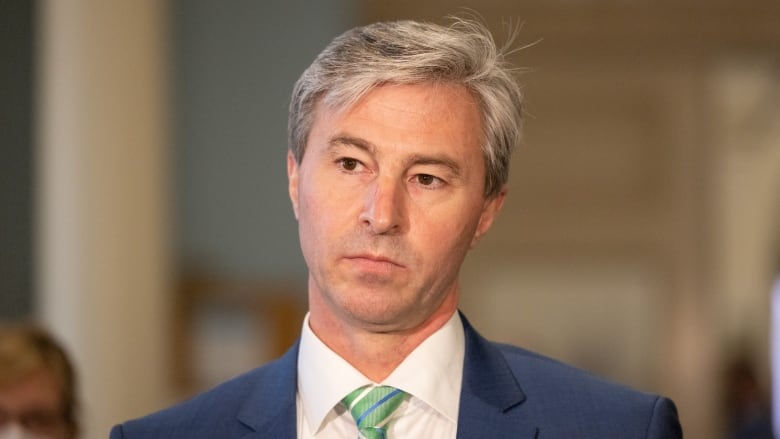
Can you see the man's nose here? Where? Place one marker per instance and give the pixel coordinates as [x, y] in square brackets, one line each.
[384, 210]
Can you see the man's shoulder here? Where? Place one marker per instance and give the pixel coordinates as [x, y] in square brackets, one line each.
[537, 372]
[554, 387]
[541, 377]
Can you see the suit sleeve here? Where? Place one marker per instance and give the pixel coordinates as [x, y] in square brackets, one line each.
[664, 423]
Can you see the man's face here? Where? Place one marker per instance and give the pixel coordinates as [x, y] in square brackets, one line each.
[389, 199]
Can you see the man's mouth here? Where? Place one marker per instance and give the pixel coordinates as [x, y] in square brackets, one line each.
[373, 262]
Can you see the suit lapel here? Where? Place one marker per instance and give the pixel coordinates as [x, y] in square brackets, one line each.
[270, 410]
[491, 398]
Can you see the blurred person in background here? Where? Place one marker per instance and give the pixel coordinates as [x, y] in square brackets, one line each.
[400, 140]
[37, 386]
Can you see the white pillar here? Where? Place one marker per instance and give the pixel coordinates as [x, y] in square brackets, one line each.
[103, 250]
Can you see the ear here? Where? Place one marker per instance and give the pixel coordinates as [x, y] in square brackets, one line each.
[292, 181]
[490, 210]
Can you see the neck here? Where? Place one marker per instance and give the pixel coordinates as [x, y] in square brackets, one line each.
[376, 354]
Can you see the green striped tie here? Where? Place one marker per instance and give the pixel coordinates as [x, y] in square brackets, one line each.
[372, 408]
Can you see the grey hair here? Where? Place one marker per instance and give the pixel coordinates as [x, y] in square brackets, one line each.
[409, 52]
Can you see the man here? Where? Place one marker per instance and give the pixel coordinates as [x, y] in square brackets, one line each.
[37, 386]
[400, 137]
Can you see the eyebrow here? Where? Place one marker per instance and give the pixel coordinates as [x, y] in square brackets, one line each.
[352, 141]
[416, 159]
[436, 160]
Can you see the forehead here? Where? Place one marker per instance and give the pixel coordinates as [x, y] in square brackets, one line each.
[436, 114]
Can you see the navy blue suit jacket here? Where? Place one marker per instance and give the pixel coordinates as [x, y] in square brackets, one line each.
[507, 392]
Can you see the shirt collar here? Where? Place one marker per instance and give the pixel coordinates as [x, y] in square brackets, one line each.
[432, 372]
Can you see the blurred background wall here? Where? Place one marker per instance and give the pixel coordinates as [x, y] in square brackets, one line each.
[16, 167]
[639, 241]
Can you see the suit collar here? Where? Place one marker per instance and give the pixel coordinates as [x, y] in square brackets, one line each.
[491, 397]
[486, 374]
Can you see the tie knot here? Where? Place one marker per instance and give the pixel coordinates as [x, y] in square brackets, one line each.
[373, 407]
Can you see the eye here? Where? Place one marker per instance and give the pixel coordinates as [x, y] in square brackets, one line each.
[425, 179]
[348, 164]
[428, 181]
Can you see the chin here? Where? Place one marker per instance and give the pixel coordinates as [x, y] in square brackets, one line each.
[388, 317]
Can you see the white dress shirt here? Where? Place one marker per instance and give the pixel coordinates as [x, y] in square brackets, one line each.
[431, 375]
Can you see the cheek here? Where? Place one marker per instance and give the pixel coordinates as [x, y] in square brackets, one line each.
[311, 220]
[446, 241]
[327, 202]
[319, 219]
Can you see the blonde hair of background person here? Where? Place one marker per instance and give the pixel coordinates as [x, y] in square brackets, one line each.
[37, 385]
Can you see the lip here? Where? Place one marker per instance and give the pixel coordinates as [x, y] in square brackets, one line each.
[376, 259]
